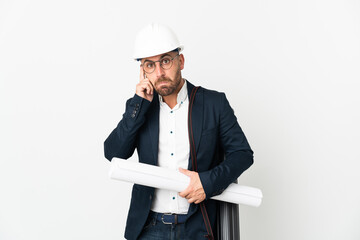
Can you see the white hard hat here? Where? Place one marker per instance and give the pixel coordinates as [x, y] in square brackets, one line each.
[155, 39]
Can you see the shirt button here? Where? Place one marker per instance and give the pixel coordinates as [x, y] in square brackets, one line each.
[171, 111]
[171, 131]
[173, 198]
[172, 154]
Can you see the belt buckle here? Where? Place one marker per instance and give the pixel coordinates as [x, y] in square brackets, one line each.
[168, 214]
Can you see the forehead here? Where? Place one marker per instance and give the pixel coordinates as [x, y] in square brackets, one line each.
[157, 57]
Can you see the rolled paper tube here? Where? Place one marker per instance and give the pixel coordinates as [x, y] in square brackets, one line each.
[170, 179]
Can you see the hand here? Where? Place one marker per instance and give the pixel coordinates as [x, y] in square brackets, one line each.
[194, 192]
[144, 88]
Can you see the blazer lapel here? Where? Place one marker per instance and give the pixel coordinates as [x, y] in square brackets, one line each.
[153, 127]
[197, 122]
[197, 117]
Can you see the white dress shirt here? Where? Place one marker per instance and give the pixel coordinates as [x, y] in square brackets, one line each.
[174, 149]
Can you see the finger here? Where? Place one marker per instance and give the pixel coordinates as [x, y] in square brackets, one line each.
[187, 193]
[192, 200]
[148, 86]
[199, 198]
[148, 90]
[151, 88]
[144, 84]
[142, 73]
[152, 85]
[185, 171]
[184, 193]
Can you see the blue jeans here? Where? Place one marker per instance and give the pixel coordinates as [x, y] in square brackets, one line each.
[156, 230]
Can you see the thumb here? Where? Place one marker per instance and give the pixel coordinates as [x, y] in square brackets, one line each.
[185, 171]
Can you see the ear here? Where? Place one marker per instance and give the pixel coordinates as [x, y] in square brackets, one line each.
[182, 61]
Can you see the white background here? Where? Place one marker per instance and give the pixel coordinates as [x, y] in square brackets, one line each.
[290, 70]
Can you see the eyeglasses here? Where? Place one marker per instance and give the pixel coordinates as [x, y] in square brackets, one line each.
[165, 63]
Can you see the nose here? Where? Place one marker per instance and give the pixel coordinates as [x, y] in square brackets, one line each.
[159, 70]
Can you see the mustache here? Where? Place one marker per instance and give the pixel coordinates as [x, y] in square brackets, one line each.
[163, 79]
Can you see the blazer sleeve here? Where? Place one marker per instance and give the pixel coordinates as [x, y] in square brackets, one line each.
[121, 142]
[238, 154]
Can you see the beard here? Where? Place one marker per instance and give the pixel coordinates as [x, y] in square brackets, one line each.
[170, 87]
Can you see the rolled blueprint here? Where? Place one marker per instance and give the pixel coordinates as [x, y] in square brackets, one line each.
[164, 178]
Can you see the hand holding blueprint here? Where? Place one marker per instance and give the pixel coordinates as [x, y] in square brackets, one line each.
[163, 178]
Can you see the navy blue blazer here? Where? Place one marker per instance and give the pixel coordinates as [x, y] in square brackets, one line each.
[223, 153]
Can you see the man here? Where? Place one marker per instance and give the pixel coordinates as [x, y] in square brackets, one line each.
[155, 123]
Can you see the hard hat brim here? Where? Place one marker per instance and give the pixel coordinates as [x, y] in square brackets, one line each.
[153, 53]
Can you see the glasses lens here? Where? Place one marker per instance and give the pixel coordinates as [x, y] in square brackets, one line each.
[149, 66]
[166, 62]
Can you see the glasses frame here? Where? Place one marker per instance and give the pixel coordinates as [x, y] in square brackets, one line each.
[159, 61]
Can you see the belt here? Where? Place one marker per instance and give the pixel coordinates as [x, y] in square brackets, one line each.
[169, 218]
